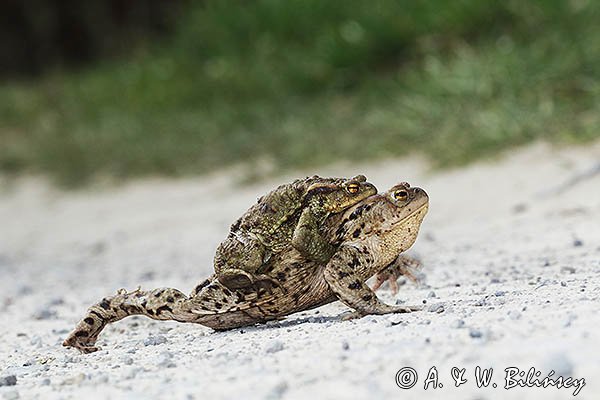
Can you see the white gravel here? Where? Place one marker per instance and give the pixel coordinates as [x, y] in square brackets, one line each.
[512, 263]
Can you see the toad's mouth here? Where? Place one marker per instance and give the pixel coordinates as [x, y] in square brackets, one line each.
[421, 209]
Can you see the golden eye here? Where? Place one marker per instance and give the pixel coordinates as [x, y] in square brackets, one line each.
[401, 195]
[353, 188]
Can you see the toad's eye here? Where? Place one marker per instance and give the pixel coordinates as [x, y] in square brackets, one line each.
[401, 195]
[353, 188]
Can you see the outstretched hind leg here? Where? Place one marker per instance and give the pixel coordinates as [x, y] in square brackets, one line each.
[161, 304]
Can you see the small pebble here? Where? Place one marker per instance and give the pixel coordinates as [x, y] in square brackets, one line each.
[98, 248]
[57, 301]
[44, 313]
[165, 360]
[68, 359]
[429, 237]
[436, 308]
[519, 208]
[481, 302]
[8, 380]
[147, 276]
[459, 323]
[155, 340]
[127, 360]
[567, 269]
[130, 374]
[577, 243]
[563, 283]
[274, 346]
[24, 290]
[560, 364]
[431, 294]
[570, 318]
[475, 333]
[345, 345]
[74, 380]
[514, 315]
[277, 391]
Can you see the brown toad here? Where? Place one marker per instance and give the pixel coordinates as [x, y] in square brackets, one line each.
[368, 237]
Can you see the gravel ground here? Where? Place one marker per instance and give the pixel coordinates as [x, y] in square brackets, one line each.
[512, 264]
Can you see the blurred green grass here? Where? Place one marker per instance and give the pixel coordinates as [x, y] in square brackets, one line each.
[307, 82]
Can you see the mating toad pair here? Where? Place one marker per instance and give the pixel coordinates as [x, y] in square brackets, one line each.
[303, 245]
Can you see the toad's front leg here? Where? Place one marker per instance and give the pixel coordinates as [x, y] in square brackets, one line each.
[160, 304]
[307, 239]
[344, 274]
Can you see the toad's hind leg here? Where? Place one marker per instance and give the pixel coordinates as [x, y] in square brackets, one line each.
[160, 304]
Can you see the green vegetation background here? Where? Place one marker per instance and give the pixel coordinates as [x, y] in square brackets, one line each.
[306, 82]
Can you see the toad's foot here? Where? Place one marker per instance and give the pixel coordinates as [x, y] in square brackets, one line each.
[401, 266]
[79, 344]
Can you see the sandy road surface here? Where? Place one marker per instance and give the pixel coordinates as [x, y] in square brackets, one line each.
[512, 261]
